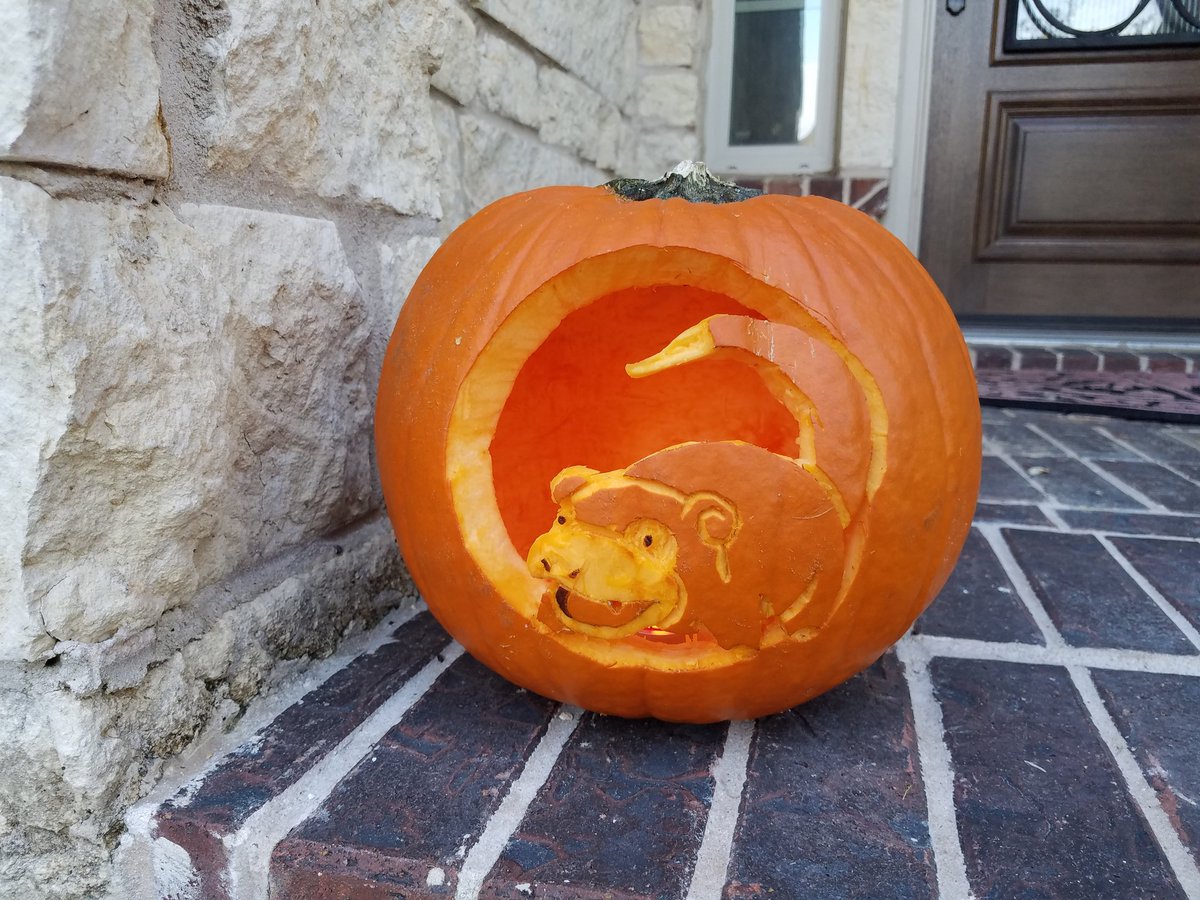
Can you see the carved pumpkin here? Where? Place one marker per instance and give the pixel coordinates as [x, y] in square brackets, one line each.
[673, 449]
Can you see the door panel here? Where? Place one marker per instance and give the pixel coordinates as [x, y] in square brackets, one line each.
[1063, 184]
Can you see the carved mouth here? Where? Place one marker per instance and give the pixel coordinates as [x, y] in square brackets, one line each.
[603, 613]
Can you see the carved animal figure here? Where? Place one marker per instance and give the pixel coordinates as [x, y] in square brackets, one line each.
[719, 540]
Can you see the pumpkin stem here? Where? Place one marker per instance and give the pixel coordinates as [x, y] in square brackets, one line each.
[691, 181]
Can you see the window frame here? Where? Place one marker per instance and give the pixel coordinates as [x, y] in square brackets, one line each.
[815, 153]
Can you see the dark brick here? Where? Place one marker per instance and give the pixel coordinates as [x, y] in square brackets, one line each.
[1078, 434]
[1159, 484]
[1089, 597]
[1072, 483]
[1035, 358]
[995, 415]
[1015, 438]
[409, 806]
[1132, 523]
[987, 357]
[876, 205]
[1010, 514]
[860, 187]
[825, 186]
[1075, 359]
[1002, 482]
[621, 814]
[1040, 809]
[1159, 717]
[279, 754]
[847, 761]
[791, 185]
[1119, 361]
[1161, 443]
[1165, 362]
[979, 602]
[1173, 567]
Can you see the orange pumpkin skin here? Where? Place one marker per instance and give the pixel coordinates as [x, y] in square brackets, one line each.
[509, 364]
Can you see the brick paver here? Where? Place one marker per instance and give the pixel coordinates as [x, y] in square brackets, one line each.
[1036, 735]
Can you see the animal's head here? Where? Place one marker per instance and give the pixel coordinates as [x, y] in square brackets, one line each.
[612, 554]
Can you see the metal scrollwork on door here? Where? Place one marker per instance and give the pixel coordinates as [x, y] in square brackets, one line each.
[1100, 24]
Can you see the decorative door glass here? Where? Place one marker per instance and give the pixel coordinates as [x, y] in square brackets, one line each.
[1100, 24]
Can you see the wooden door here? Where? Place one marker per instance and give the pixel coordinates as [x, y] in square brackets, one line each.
[1063, 177]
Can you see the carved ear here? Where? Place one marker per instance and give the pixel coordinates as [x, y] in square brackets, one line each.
[569, 480]
[717, 523]
[716, 519]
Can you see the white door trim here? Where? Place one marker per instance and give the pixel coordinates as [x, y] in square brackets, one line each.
[907, 188]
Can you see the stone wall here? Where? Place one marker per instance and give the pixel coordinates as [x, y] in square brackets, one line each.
[210, 213]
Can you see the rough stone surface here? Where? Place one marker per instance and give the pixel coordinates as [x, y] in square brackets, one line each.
[498, 161]
[333, 98]
[670, 97]
[576, 117]
[90, 741]
[593, 40]
[508, 81]
[667, 35]
[398, 270]
[185, 405]
[79, 86]
[657, 152]
[870, 83]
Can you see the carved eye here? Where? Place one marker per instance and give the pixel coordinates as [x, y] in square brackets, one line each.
[647, 540]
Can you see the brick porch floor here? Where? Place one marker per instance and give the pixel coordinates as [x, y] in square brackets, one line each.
[1038, 735]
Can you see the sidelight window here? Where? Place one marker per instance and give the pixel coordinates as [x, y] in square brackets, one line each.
[772, 86]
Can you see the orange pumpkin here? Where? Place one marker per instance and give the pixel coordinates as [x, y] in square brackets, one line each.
[669, 449]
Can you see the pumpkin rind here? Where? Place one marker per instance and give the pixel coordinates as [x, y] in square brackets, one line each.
[899, 430]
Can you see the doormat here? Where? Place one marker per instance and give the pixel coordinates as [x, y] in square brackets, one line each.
[1161, 396]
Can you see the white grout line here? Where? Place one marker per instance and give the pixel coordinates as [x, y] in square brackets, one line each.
[508, 815]
[716, 848]
[1038, 655]
[1020, 581]
[1107, 476]
[1142, 794]
[250, 848]
[1188, 629]
[1051, 512]
[1022, 471]
[937, 773]
[1146, 456]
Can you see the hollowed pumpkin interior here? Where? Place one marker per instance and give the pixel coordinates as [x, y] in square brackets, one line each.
[574, 404]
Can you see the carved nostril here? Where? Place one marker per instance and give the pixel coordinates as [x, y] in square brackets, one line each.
[546, 564]
[574, 574]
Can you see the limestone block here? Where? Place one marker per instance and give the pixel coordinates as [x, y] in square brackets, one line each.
[450, 186]
[667, 35]
[498, 161]
[596, 41]
[870, 83]
[670, 97]
[186, 394]
[575, 116]
[333, 98]
[654, 153]
[84, 741]
[458, 71]
[79, 86]
[508, 81]
[398, 270]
